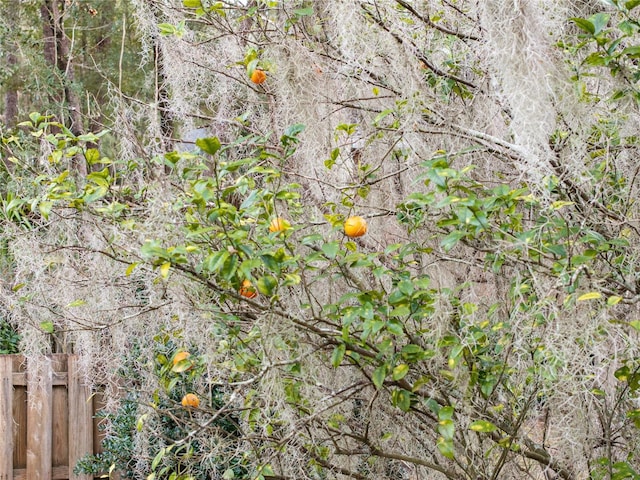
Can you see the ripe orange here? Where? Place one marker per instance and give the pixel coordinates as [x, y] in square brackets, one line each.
[278, 225]
[258, 76]
[190, 400]
[355, 227]
[247, 290]
[178, 357]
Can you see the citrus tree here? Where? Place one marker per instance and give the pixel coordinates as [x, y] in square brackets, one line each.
[396, 253]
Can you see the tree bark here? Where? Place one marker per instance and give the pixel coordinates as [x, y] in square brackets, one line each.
[11, 95]
[57, 54]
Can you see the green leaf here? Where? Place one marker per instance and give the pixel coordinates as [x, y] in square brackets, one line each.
[633, 52]
[295, 129]
[401, 399]
[338, 355]
[451, 240]
[599, 21]
[45, 209]
[302, 12]
[585, 25]
[291, 279]
[395, 327]
[400, 311]
[381, 115]
[446, 428]
[400, 371]
[330, 249]
[215, 261]
[482, 426]
[271, 263]
[158, 458]
[445, 447]
[631, 4]
[589, 296]
[166, 29]
[193, 4]
[247, 267]
[209, 145]
[267, 285]
[182, 366]
[622, 374]
[445, 413]
[229, 268]
[634, 416]
[229, 474]
[92, 156]
[93, 194]
[266, 470]
[47, 327]
[378, 376]
[36, 118]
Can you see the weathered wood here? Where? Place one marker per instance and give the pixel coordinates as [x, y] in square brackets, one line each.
[47, 418]
[20, 379]
[6, 418]
[60, 434]
[57, 473]
[80, 418]
[19, 416]
[39, 419]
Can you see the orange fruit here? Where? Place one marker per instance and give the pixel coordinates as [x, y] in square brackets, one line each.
[190, 400]
[355, 227]
[258, 76]
[247, 290]
[180, 356]
[278, 225]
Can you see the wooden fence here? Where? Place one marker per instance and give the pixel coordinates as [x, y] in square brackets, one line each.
[46, 418]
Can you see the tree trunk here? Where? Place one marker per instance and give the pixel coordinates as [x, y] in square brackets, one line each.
[57, 55]
[11, 95]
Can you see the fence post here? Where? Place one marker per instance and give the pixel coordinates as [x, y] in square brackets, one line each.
[80, 418]
[39, 419]
[6, 417]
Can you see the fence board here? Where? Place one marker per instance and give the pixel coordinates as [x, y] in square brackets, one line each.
[60, 415]
[80, 418]
[19, 414]
[39, 420]
[46, 418]
[6, 418]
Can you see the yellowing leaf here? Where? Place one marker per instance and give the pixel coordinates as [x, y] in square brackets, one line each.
[613, 300]
[379, 375]
[483, 426]
[77, 303]
[47, 327]
[131, 268]
[400, 371]
[560, 203]
[140, 422]
[589, 296]
[164, 269]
